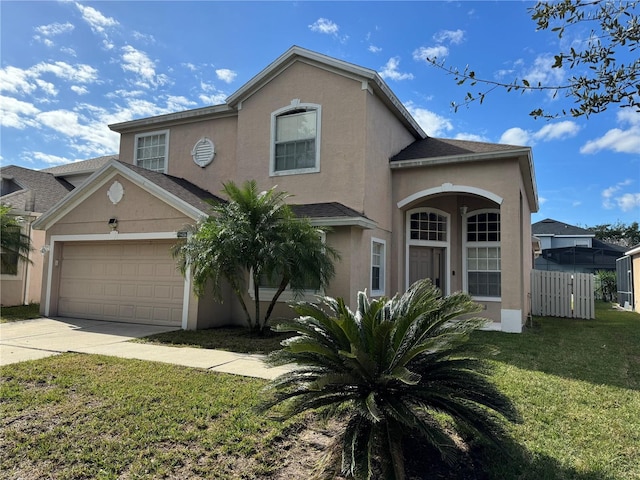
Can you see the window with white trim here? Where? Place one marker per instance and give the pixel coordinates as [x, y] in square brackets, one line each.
[429, 226]
[378, 254]
[483, 254]
[295, 139]
[152, 150]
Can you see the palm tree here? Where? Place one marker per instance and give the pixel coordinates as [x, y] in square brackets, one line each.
[255, 233]
[13, 243]
[395, 366]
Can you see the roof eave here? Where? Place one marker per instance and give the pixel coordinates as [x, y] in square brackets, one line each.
[360, 222]
[186, 116]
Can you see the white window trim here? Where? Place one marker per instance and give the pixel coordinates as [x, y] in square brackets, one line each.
[466, 245]
[428, 243]
[383, 268]
[148, 134]
[295, 105]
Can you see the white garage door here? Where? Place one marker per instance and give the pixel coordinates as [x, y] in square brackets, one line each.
[133, 281]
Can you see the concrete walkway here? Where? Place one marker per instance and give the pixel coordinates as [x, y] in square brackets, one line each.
[34, 339]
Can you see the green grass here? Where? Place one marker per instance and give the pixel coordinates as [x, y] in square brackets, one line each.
[81, 416]
[231, 339]
[20, 312]
[576, 384]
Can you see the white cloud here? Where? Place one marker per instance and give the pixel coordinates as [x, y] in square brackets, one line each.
[96, 20]
[430, 53]
[178, 103]
[452, 36]
[551, 131]
[214, 99]
[433, 124]
[226, 75]
[619, 140]
[626, 201]
[542, 200]
[515, 136]
[542, 72]
[390, 70]
[79, 90]
[326, 26]
[374, 49]
[471, 137]
[16, 80]
[80, 73]
[17, 114]
[560, 130]
[138, 63]
[54, 29]
[50, 159]
[629, 201]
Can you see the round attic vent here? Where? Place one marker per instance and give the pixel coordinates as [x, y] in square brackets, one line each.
[203, 152]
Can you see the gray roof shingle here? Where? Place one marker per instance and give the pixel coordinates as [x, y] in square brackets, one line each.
[444, 147]
[548, 226]
[42, 189]
[89, 165]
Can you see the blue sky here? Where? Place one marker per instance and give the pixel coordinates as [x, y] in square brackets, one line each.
[68, 69]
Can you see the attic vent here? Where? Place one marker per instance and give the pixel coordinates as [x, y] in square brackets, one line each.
[203, 152]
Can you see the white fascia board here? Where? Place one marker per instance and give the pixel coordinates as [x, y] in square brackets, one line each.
[100, 178]
[576, 236]
[449, 159]
[361, 222]
[633, 251]
[185, 116]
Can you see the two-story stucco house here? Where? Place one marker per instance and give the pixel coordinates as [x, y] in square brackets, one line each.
[401, 205]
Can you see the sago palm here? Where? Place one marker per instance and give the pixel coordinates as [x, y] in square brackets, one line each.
[399, 367]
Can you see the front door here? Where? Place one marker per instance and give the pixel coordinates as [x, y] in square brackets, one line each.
[428, 262]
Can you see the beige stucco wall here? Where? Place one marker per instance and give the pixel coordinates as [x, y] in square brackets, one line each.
[499, 177]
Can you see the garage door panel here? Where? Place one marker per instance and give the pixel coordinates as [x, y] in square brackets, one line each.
[121, 281]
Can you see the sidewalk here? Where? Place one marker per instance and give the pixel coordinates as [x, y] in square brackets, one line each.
[44, 337]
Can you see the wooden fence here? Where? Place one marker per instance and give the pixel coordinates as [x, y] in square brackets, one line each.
[562, 294]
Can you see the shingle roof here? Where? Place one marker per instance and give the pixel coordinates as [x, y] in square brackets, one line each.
[89, 165]
[444, 147]
[325, 210]
[40, 188]
[181, 188]
[548, 226]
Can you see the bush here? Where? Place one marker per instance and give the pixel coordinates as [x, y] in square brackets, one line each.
[397, 368]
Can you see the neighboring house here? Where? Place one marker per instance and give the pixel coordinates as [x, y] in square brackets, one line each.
[628, 279]
[567, 248]
[31, 193]
[401, 205]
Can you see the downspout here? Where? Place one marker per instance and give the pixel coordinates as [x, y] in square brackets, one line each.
[27, 271]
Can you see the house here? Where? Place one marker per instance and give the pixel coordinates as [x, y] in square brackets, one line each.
[628, 279]
[567, 248]
[31, 193]
[400, 205]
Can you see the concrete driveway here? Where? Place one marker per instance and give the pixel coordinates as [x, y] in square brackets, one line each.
[43, 337]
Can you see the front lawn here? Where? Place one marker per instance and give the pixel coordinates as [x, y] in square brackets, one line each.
[20, 312]
[576, 383]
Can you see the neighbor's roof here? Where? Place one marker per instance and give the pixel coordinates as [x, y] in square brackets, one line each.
[33, 191]
[550, 227]
[83, 166]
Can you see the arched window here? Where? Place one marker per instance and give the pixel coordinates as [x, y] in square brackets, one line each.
[295, 139]
[483, 265]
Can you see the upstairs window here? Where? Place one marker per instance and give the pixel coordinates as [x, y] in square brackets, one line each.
[296, 139]
[152, 150]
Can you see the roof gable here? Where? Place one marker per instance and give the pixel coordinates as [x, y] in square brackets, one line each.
[185, 197]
